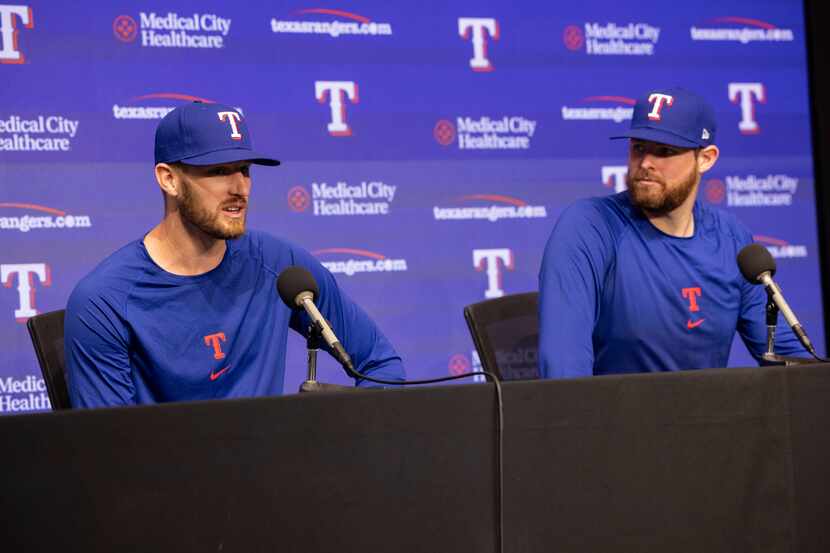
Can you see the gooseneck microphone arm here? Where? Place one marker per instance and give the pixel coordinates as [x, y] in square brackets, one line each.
[778, 298]
[305, 299]
[758, 267]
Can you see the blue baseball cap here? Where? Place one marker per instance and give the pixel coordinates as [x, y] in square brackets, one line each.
[673, 116]
[205, 134]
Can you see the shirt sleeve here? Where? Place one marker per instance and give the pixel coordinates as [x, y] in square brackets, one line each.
[574, 265]
[96, 345]
[371, 352]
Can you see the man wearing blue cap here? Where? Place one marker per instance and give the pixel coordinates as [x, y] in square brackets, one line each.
[646, 280]
[191, 311]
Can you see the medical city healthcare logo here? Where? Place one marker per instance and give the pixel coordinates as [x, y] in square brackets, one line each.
[752, 190]
[490, 207]
[141, 107]
[781, 249]
[172, 30]
[612, 39]
[518, 363]
[23, 394]
[740, 29]
[601, 108]
[486, 133]
[38, 133]
[459, 364]
[46, 218]
[10, 16]
[351, 261]
[343, 23]
[343, 199]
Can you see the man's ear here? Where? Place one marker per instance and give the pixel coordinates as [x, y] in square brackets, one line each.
[168, 179]
[707, 157]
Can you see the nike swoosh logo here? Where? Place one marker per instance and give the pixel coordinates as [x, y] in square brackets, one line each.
[215, 375]
[690, 325]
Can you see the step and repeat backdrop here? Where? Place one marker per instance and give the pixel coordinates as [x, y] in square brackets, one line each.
[428, 147]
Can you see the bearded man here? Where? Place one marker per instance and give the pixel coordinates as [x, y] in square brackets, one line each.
[646, 280]
[191, 311]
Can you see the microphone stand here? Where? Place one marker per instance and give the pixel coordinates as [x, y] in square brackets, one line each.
[770, 357]
[772, 321]
[311, 383]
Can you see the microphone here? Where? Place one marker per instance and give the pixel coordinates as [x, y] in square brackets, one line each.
[297, 288]
[758, 267]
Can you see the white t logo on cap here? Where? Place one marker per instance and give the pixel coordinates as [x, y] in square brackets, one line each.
[232, 118]
[659, 100]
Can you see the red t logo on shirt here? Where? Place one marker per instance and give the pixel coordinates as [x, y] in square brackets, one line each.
[214, 340]
[692, 294]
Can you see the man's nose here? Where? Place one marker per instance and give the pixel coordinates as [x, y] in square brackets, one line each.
[647, 160]
[240, 184]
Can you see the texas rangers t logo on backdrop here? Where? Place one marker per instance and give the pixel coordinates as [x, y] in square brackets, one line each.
[25, 285]
[232, 118]
[659, 100]
[336, 90]
[743, 94]
[613, 176]
[8, 31]
[478, 25]
[489, 260]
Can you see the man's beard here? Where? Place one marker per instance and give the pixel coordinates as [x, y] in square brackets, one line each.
[667, 198]
[211, 224]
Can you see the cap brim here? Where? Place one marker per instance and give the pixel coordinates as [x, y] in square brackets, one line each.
[230, 156]
[659, 136]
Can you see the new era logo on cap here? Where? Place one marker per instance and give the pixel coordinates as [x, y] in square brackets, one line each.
[205, 134]
[674, 116]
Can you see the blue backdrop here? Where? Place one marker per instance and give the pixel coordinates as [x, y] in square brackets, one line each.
[427, 147]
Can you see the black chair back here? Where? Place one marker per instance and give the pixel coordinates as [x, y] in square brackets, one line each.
[46, 331]
[505, 332]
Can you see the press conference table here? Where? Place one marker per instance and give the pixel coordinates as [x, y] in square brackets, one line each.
[715, 461]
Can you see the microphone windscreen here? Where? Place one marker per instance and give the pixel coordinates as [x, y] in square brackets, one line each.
[754, 260]
[294, 280]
